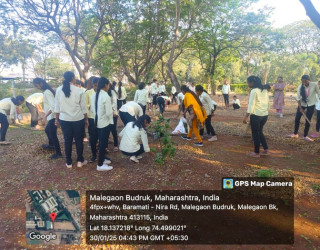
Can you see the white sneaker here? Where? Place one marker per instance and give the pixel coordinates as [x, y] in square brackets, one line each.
[5, 142]
[134, 159]
[293, 136]
[107, 161]
[81, 164]
[139, 157]
[281, 115]
[307, 138]
[68, 166]
[213, 138]
[104, 167]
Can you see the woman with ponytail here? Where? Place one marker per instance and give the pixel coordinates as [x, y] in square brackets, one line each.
[122, 95]
[72, 115]
[103, 118]
[307, 99]
[48, 106]
[258, 107]
[197, 112]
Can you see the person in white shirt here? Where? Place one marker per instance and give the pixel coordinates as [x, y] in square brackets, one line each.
[103, 113]
[236, 103]
[174, 94]
[34, 104]
[8, 107]
[180, 98]
[92, 85]
[71, 114]
[149, 102]
[130, 112]
[114, 96]
[192, 87]
[225, 92]
[122, 95]
[317, 133]
[162, 88]
[307, 99]
[48, 106]
[141, 97]
[208, 105]
[258, 110]
[134, 138]
[154, 90]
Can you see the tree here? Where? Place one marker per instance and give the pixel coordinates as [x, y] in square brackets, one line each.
[7, 55]
[78, 24]
[226, 29]
[52, 67]
[311, 12]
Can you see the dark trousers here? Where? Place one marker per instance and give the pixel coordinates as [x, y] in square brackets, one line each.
[226, 99]
[34, 114]
[318, 121]
[103, 134]
[154, 99]
[139, 152]
[73, 130]
[93, 137]
[143, 108]
[162, 104]
[309, 114]
[114, 131]
[51, 131]
[4, 126]
[174, 97]
[209, 127]
[120, 103]
[126, 117]
[257, 123]
[235, 106]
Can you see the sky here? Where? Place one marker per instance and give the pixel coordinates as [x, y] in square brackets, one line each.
[286, 11]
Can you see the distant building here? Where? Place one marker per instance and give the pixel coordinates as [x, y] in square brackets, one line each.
[49, 225]
[41, 224]
[50, 205]
[30, 224]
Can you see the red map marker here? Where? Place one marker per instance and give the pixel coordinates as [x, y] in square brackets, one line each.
[53, 216]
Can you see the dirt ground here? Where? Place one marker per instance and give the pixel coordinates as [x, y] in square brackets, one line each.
[24, 165]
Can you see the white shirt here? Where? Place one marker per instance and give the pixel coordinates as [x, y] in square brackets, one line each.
[104, 105]
[114, 98]
[312, 90]
[180, 98]
[226, 89]
[154, 90]
[141, 97]
[237, 101]
[131, 138]
[207, 102]
[48, 104]
[162, 88]
[192, 88]
[318, 102]
[35, 99]
[7, 107]
[258, 102]
[173, 90]
[71, 108]
[123, 93]
[133, 108]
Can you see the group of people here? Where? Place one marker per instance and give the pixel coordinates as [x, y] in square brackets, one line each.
[98, 103]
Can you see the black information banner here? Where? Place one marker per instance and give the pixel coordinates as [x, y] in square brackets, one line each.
[245, 211]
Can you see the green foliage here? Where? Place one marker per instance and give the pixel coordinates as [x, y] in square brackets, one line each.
[265, 173]
[162, 130]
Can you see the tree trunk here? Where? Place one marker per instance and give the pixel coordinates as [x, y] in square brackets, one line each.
[24, 70]
[311, 12]
[172, 76]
